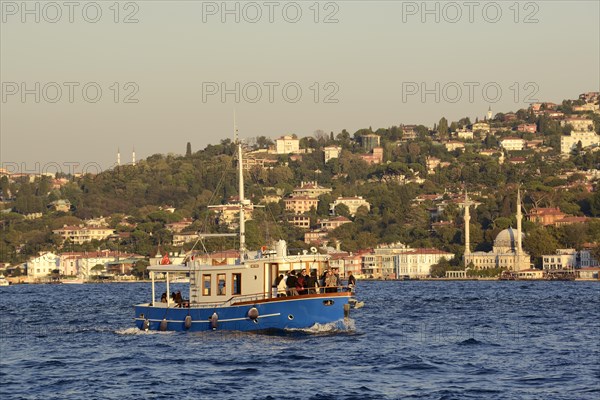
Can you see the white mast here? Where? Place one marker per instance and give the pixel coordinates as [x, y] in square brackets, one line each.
[519, 219]
[238, 142]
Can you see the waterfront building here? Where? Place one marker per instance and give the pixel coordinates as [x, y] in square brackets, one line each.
[417, 263]
[568, 259]
[41, 267]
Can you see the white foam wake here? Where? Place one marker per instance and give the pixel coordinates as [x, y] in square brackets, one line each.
[136, 331]
[344, 325]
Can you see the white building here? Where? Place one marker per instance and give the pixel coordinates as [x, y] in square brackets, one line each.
[353, 204]
[464, 134]
[587, 138]
[286, 145]
[42, 266]
[512, 143]
[331, 152]
[567, 259]
[81, 234]
[417, 263]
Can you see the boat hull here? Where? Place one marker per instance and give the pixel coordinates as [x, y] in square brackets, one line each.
[297, 312]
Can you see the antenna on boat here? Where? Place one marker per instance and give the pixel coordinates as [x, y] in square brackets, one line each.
[242, 200]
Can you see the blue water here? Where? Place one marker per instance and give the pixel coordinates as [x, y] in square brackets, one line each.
[411, 340]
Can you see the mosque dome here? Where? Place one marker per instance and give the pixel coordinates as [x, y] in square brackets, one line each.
[507, 239]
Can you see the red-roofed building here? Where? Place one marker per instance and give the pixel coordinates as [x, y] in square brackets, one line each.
[529, 128]
[545, 215]
[375, 157]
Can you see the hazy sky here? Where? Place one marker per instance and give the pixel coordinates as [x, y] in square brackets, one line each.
[370, 68]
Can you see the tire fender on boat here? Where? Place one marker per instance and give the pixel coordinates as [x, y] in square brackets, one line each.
[188, 322]
[214, 321]
[163, 325]
[253, 313]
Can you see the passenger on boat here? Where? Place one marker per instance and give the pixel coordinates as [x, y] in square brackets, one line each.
[163, 298]
[178, 298]
[301, 282]
[282, 286]
[330, 282]
[291, 284]
[351, 282]
[312, 283]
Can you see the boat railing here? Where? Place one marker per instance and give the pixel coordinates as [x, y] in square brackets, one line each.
[263, 296]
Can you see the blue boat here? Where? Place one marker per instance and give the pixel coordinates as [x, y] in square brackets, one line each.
[243, 296]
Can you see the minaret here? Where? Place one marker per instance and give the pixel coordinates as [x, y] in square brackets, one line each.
[467, 228]
[118, 157]
[519, 218]
[133, 157]
[489, 113]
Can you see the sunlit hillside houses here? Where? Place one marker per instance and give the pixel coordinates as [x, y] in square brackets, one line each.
[331, 152]
[512, 143]
[177, 227]
[60, 205]
[353, 204]
[79, 234]
[287, 144]
[481, 126]
[300, 204]
[310, 189]
[228, 214]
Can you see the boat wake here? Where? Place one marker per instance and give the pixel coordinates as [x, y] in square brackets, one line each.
[344, 325]
[137, 331]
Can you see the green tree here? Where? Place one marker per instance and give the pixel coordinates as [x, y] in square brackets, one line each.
[188, 150]
[442, 128]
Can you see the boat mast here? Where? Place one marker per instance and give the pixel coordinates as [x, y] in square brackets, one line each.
[238, 142]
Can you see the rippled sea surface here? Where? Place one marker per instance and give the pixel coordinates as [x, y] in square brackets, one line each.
[411, 340]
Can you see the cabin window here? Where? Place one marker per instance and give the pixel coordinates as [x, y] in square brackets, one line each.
[221, 284]
[237, 283]
[206, 285]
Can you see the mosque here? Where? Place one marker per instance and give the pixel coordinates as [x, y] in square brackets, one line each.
[507, 252]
